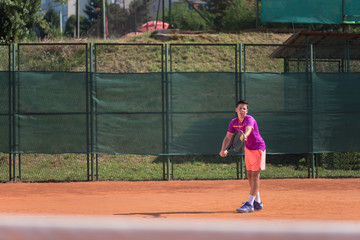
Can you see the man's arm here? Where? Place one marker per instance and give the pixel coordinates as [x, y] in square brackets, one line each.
[247, 132]
[225, 143]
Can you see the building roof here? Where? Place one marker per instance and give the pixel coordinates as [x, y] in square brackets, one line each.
[325, 45]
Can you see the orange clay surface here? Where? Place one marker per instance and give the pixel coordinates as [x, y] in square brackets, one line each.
[292, 199]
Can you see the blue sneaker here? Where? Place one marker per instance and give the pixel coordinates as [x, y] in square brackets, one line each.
[246, 208]
[258, 205]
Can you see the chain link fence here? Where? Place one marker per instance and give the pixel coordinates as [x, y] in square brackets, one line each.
[5, 57]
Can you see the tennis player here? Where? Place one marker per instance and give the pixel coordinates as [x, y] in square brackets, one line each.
[255, 153]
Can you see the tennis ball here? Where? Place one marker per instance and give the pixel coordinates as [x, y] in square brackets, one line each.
[242, 138]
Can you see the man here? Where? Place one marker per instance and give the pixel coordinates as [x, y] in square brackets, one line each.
[255, 153]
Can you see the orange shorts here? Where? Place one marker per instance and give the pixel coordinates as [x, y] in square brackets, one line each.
[255, 160]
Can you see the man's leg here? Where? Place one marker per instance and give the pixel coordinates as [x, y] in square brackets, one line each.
[254, 182]
[249, 176]
[251, 160]
[254, 186]
[255, 190]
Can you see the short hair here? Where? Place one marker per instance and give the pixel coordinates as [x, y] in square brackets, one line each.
[242, 102]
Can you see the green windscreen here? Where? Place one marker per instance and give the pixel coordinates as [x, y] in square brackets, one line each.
[175, 113]
[336, 112]
[279, 104]
[4, 111]
[51, 112]
[129, 113]
[309, 11]
[200, 109]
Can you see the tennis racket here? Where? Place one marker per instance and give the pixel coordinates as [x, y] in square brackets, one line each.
[237, 142]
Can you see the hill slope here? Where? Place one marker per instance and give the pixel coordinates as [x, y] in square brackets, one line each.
[115, 58]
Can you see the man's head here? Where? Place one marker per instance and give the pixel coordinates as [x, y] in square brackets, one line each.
[242, 102]
[241, 108]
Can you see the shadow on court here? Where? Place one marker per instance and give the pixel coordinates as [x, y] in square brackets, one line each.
[163, 214]
[215, 159]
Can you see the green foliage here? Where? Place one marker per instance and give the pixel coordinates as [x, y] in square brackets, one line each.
[137, 15]
[239, 15]
[52, 17]
[184, 18]
[218, 10]
[21, 20]
[218, 15]
[117, 20]
[342, 161]
[93, 11]
[18, 17]
[71, 25]
[53, 20]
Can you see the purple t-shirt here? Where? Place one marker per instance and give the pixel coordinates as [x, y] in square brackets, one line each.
[254, 141]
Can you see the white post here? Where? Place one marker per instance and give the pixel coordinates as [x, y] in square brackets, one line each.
[61, 22]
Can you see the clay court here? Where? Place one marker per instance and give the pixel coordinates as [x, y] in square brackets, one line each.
[290, 199]
[293, 209]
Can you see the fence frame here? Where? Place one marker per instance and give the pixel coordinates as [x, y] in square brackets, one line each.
[164, 83]
[15, 137]
[14, 51]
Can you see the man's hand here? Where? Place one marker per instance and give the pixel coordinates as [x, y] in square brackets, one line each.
[223, 153]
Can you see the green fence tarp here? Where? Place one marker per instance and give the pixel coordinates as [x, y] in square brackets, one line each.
[200, 109]
[4, 111]
[336, 112]
[279, 103]
[308, 11]
[129, 113]
[62, 112]
[51, 112]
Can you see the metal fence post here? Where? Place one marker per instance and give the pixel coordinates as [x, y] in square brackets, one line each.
[167, 109]
[91, 110]
[88, 124]
[311, 58]
[244, 59]
[104, 18]
[10, 110]
[311, 137]
[163, 113]
[92, 70]
[241, 94]
[14, 122]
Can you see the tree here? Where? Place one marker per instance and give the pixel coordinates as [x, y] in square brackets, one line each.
[239, 15]
[71, 25]
[93, 23]
[18, 17]
[93, 10]
[117, 20]
[218, 11]
[184, 18]
[217, 15]
[52, 17]
[53, 20]
[137, 14]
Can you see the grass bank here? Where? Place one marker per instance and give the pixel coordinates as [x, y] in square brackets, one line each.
[73, 167]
